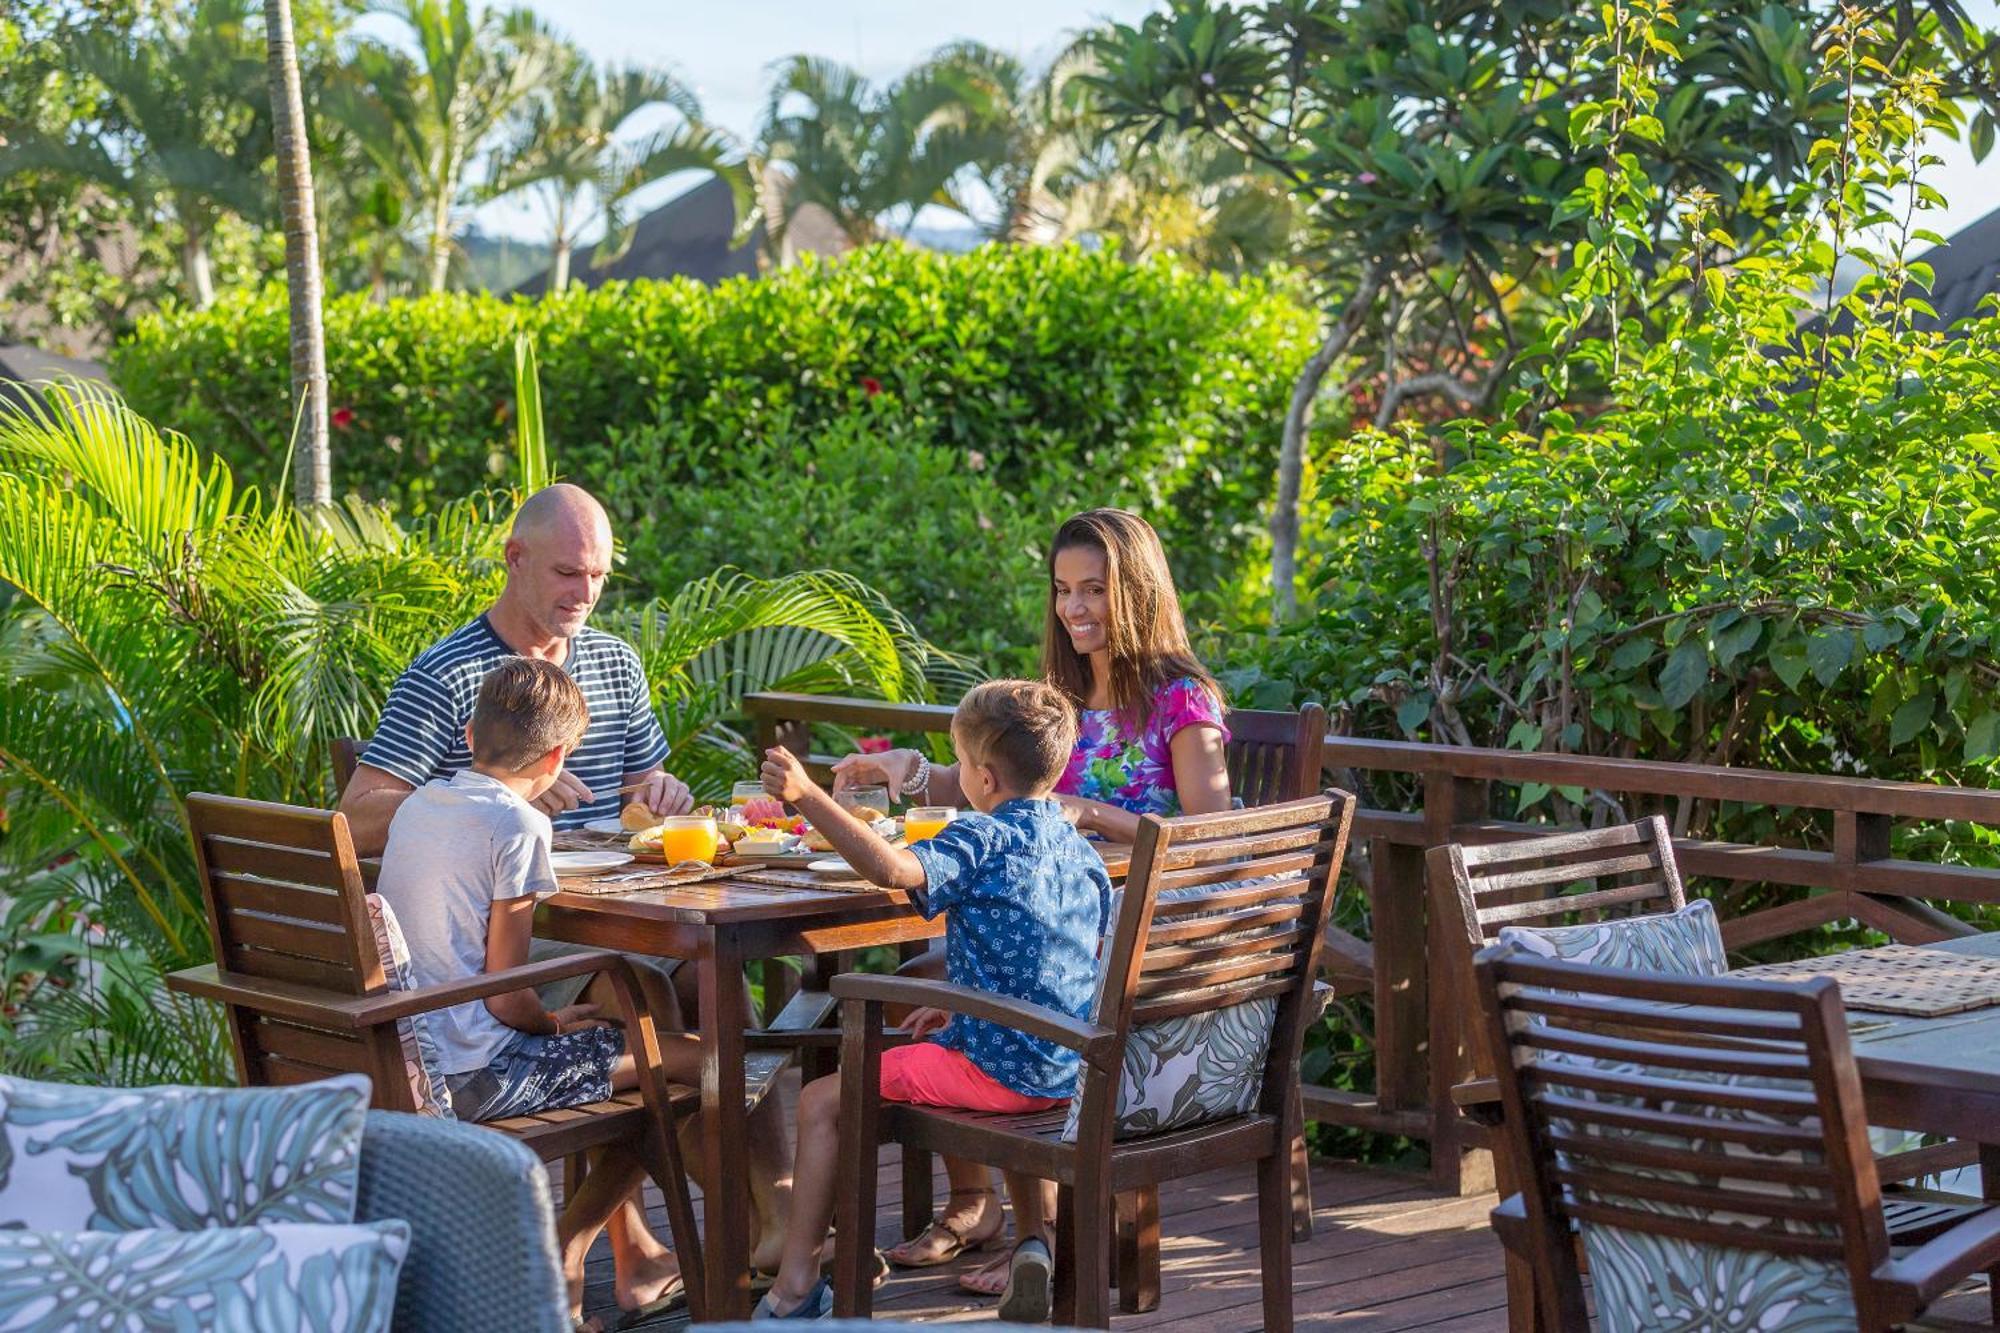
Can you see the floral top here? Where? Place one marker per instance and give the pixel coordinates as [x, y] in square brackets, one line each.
[1134, 769]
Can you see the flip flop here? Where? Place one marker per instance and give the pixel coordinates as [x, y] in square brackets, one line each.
[818, 1304]
[1026, 1300]
[672, 1299]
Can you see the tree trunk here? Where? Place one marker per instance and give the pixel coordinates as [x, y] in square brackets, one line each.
[440, 245]
[559, 275]
[313, 481]
[195, 271]
[1291, 449]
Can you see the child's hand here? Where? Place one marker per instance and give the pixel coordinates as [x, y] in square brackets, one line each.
[783, 775]
[575, 1017]
[922, 1022]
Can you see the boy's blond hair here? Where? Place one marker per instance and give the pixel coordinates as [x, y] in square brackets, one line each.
[1024, 728]
[526, 708]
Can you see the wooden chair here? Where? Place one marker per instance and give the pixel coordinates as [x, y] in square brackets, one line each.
[1275, 756]
[302, 987]
[345, 754]
[1696, 1128]
[1166, 961]
[1569, 878]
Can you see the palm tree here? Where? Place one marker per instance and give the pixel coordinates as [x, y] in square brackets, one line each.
[302, 275]
[172, 632]
[431, 116]
[566, 145]
[1022, 135]
[861, 153]
[1191, 198]
[184, 141]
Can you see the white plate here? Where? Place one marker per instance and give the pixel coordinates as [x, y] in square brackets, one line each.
[608, 826]
[832, 865]
[588, 863]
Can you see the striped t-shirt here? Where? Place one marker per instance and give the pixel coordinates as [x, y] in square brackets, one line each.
[422, 732]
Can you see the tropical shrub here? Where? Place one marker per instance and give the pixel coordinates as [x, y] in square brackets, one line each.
[1146, 385]
[172, 632]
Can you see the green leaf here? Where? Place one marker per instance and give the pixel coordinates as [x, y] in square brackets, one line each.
[1413, 712]
[1524, 736]
[1708, 541]
[1631, 653]
[1530, 793]
[1788, 659]
[1911, 718]
[1737, 639]
[1684, 674]
[1982, 736]
[1828, 652]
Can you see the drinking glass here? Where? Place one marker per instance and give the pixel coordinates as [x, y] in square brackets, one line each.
[688, 838]
[743, 793]
[926, 821]
[867, 804]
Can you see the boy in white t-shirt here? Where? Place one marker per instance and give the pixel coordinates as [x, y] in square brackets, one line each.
[464, 861]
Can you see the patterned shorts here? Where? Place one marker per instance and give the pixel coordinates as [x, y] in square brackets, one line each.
[539, 1073]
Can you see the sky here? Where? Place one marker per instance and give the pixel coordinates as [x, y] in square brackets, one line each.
[724, 49]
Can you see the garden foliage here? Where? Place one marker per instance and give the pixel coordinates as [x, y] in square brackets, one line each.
[847, 414]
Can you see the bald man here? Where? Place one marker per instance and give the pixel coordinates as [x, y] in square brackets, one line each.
[558, 555]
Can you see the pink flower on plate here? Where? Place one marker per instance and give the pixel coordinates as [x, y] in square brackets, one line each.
[874, 744]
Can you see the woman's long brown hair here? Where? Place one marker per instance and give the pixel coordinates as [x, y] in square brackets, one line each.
[1146, 636]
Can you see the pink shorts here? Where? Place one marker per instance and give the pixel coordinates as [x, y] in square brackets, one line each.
[924, 1073]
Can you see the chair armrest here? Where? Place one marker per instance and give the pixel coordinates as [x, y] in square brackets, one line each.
[387, 1006]
[309, 1004]
[1927, 1272]
[1087, 1039]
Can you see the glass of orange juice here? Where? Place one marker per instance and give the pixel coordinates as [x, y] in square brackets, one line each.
[926, 821]
[742, 793]
[688, 838]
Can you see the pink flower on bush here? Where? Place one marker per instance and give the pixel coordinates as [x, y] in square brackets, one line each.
[874, 744]
[870, 385]
[343, 417]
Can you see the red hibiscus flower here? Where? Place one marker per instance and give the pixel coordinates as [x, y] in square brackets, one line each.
[870, 385]
[873, 744]
[343, 417]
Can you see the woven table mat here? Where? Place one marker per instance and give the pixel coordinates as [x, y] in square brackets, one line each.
[1897, 979]
[804, 879]
[584, 840]
[635, 878]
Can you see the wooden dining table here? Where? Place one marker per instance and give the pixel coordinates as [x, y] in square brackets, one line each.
[721, 925]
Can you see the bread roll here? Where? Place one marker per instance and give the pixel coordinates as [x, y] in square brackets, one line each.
[637, 817]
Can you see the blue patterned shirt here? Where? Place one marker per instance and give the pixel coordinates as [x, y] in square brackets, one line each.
[1029, 901]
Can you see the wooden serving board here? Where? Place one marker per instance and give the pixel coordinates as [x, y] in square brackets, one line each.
[1897, 979]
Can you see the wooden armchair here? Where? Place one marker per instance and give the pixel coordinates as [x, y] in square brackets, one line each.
[1696, 1131]
[301, 983]
[1254, 941]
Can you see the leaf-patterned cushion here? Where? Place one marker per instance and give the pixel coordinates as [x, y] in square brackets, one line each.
[1687, 943]
[429, 1092]
[276, 1279]
[125, 1159]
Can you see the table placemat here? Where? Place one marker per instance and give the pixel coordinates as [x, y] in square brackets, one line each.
[584, 840]
[805, 879]
[1897, 979]
[636, 878]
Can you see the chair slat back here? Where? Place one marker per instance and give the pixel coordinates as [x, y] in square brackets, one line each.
[284, 894]
[1721, 1117]
[1274, 755]
[1628, 869]
[1254, 935]
[346, 755]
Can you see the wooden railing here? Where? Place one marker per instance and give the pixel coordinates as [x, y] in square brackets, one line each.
[1419, 1007]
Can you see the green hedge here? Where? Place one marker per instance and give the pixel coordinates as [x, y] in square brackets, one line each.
[1005, 373]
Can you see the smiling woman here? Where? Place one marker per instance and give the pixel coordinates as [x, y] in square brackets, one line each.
[1151, 734]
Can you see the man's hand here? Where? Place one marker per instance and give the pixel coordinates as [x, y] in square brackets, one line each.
[663, 793]
[784, 776]
[565, 793]
[922, 1022]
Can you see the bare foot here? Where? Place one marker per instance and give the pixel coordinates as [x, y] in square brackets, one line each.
[650, 1278]
[971, 1219]
[990, 1278]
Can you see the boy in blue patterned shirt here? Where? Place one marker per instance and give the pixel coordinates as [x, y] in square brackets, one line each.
[1028, 901]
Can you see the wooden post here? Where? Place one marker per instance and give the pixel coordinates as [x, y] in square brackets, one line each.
[1455, 1167]
[1401, 985]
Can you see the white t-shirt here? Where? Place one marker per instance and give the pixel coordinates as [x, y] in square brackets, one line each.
[455, 848]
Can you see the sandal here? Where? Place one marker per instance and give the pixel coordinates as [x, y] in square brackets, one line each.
[881, 1268]
[955, 1242]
